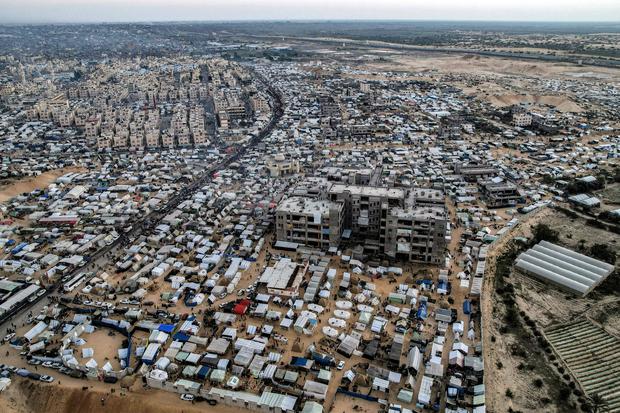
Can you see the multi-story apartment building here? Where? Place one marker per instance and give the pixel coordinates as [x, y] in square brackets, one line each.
[120, 140]
[167, 140]
[136, 140]
[402, 225]
[152, 138]
[414, 233]
[522, 119]
[314, 222]
[363, 205]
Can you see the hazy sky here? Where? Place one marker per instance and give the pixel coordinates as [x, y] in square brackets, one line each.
[168, 10]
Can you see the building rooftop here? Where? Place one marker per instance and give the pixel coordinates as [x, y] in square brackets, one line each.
[368, 191]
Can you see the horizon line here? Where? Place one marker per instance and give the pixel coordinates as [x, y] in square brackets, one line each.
[298, 20]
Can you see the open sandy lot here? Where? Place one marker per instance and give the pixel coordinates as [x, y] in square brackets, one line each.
[31, 183]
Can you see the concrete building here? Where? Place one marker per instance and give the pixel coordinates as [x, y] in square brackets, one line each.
[473, 172]
[500, 194]
[312, 222]
[363, 205]
[280, 165]
[284, 278]
[385, 221]
[415, 234]
[521, 119]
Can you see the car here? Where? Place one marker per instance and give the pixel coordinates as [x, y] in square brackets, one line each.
[340, 365]
[46, 379]
[8, 337]
[34, 362]
[34, 376]
[241, 292]
[187, 397]
[48, 364]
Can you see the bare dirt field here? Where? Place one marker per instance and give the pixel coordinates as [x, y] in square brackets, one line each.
[561, 103]
[516, 362]
[27, 396]
[31, 183]
[455, 64]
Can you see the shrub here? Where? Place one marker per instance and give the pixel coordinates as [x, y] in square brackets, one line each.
[542, 232]
[509, 393]
[564, 393]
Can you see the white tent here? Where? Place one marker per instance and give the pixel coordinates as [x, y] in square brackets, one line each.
[330, 332]
[342, 314]
[316, 308]
[337, 322]
[344, 305]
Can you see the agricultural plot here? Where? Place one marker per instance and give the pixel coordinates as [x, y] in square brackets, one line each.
[591, 355]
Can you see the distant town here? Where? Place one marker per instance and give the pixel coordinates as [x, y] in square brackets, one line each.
[309, 218]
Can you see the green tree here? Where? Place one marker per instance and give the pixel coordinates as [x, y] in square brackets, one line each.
[542, 232]
[603, 252]
[597, 403]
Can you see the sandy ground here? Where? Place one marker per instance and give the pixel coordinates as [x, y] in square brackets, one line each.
[498, 380]
[31, 183]
[561, 103]
[479, 65]
[544, 304]
[27, 396]
[105, 347]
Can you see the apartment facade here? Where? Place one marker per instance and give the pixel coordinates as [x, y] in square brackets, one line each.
[312, 222]
[363, 205]
[416, 234]
[386, 221]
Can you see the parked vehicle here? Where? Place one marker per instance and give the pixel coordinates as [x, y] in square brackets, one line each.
[8, 337]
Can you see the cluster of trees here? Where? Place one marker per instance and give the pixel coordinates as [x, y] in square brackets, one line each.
[577, 186]
[603, 252]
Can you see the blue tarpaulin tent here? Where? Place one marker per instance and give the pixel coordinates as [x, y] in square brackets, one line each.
[166, 328]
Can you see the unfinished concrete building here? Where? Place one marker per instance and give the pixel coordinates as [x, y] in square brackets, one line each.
[500, 194]
[385, 221]
[313, 222]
